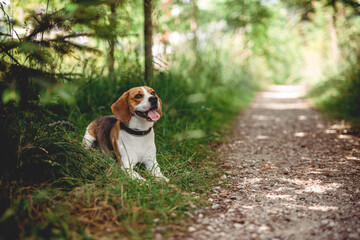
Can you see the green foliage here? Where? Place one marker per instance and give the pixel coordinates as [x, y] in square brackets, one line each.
[280, 43]
[247, 13]
[337, 90]
[32, 61]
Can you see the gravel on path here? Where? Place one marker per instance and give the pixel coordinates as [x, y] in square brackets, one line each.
[291, 174]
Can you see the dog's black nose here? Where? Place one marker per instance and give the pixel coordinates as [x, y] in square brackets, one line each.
[153, 100]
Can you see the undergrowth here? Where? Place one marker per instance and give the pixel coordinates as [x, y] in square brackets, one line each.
[339, 95]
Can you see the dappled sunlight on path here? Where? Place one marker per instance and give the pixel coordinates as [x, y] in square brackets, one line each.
[290, 175]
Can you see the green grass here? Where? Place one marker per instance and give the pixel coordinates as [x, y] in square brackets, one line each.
[60, 190]
[53, 188]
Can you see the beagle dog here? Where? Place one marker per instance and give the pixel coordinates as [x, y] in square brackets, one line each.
[128, 136]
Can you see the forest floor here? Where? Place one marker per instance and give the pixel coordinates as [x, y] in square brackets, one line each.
[290, 174]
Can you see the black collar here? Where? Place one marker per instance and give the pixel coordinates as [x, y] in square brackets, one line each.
[133, 131]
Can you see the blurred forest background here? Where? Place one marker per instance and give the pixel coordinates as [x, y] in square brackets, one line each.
[64, 62]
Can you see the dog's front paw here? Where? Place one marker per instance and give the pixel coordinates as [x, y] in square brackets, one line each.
[161, 178]
[135, 176]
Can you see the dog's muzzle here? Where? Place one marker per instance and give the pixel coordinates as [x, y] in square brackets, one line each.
[150, 115]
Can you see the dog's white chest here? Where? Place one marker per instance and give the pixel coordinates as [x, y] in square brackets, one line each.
[136, 148]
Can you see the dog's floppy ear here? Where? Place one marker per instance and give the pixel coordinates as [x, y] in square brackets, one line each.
[159, 108]
[121, 108]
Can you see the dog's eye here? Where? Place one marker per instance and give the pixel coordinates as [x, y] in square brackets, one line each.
[138, 96]
[153, 93]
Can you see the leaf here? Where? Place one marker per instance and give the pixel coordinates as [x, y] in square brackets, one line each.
[224, 195]
[267, 166]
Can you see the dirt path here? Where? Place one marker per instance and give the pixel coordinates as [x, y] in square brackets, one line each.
[291, 175]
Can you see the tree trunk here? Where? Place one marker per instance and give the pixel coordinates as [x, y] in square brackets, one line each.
[193, 28]
[112, 41]
[148, 75]
[193, 24]
[333, 36]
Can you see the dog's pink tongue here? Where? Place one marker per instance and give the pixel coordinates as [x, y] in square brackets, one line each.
[153, 115]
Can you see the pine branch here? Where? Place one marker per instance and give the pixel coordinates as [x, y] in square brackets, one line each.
[8, 54]
[35, 73]
[83, 47]
[75, 35]
[5, 34]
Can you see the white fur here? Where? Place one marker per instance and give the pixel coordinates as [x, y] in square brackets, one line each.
[145, 103]
[88, 140]
[139, 123]
[138, 149]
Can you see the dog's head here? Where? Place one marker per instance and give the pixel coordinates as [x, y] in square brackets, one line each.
[141, 102]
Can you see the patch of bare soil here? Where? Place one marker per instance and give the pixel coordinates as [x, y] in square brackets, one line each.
[291, 175]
